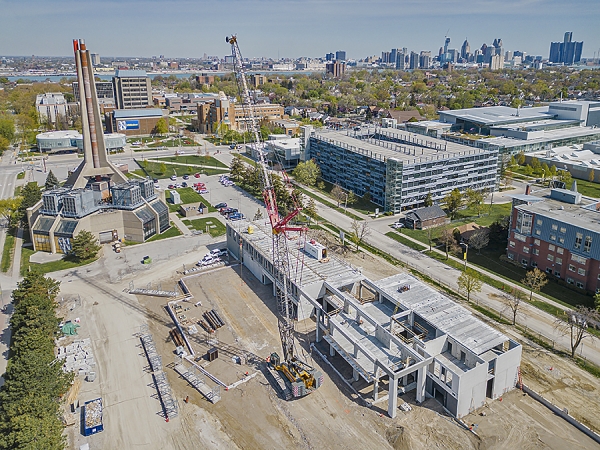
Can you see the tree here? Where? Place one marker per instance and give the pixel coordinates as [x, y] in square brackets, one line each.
[258, 214]
[162, 168]
[469, 281]
[351, 198]
[31, 194]
[360, 230]
[161, 127]
[535, 280]
[513, 300]
[4, 144]
[51, 181]
[8, 208]
[479, 239]
[311, 209]
[7, 128]
[475, 200]
[577, 324]
[85, 245]
[447, 239]
[338, 194]
[237, 167]
[591, 176]
[453, 201]
[307, 173]
[597, 302]
[428, 199]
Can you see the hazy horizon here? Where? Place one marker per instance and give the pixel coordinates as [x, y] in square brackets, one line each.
[290, 28]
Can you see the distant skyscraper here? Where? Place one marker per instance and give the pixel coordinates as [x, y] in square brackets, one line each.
[465, 50]
[336, 68]
[393, 54]
[132, 89]
[330, 56]
[414, 60]
[497, 62]
[567, 52]
[340, 55]
[425, 60]
[445, 57]
[385, 57]
[95, 58]
[400, 61]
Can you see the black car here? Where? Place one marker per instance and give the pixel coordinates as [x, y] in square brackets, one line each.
[155, 180]
[184, 184]
[221, 205]
[186, 177]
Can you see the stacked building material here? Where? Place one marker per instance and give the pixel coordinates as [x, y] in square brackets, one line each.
[78, 357]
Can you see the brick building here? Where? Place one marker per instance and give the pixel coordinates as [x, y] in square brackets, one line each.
[558, 233]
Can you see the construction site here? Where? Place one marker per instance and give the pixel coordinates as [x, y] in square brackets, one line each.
[284, 342]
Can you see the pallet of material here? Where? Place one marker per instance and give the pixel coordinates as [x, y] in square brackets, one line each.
[92, 417]
[176, 337]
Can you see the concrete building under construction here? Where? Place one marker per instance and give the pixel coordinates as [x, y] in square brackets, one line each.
[396, 329]
[97, 196]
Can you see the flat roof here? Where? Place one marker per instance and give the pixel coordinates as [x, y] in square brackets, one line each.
[126, 73]
[421, 148]
[549, 135]
[335, 271]
[576, 215]
[441, 312]
[570, 154]
[491, 115]
[137, 113]
[58, 134]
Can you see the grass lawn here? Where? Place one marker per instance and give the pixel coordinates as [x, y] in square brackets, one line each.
[247, 160]
[364, 206]
[398, 237]
[67, 262]
[189, 195]
[171, 232]
[20, 175]
[144, 140]
[327, 203]
[8, 251]
[194, 159]
[173, 143]
[153, 170]
[216, 227]
[18, 190]
[585, 187]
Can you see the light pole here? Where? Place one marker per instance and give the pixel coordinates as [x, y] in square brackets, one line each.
[465, 255]
[346, 204]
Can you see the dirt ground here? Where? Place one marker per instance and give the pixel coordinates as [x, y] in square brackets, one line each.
[252, 415]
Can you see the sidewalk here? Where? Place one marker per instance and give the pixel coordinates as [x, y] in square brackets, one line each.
[179, 224]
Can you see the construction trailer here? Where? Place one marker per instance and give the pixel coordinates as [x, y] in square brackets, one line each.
[396, 328]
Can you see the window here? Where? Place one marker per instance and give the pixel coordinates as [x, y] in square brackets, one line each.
[557, 273]
[563, 230]
[536, 251]
[463, 356]
[558, 260]
[524, 262]
[560, 250]
[512, 243]
[571, 267]
[539, 221]
[561, 240]
[450, 347]
[550, 257]
[538, 231]
[551, 247]
[570, 280]
[525, 249]
[533, 264]
[520, 237]
[554, 227]
[578, 239]
[587, 246]
[512, 256]
[581, 271]
[548, 269]
[536, 242]
[579, 284]
[524, 222]
[579, 259]
[552, 237]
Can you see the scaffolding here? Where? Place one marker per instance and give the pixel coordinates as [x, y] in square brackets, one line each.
[194, 377]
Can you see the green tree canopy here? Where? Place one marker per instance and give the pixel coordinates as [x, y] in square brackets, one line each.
[307, 172]
[31, 194]
[51, 181]
[453, 202]
[161, 127]
[85, 245]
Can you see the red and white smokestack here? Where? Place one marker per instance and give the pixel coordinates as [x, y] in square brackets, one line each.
[87, 91]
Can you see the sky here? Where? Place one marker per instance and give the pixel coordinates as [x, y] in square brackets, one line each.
[290, 28]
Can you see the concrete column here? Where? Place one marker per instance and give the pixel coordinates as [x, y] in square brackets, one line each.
[331, 351]
[393, 397]
[375, 389]
[360, 286]
[346, 306]
[355, 374]
[355, 353]
[421, 385]
[318, 330]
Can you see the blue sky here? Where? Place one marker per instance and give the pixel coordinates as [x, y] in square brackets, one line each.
[290, 28]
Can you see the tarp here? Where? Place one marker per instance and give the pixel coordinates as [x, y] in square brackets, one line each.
[69, 328]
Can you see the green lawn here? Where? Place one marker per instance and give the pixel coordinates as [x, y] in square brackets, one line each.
[153, 170]
[247, 160]
[144, 140]
[363, 206]
[189, 195]
[403, 240]
[20, 175]
[174, 143]
[194, 159]
[66, 263]
[327, 203]
[8, 251]
[171, 232]
[216, 227]
[585, 187]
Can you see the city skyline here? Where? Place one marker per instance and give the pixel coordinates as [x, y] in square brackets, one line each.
[291, 28]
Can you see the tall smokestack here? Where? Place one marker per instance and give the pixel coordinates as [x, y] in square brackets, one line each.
[85, 69]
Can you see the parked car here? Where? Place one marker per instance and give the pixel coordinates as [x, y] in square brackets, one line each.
[173, 177]
[156, 186]
[186, 177]
[236, 216]
[209, 259]
[397, 225]
[225, 211]
[239, 147]
[203, 191]
[184, 184]
[218, 252]
[196, 175]
[171, 186]
[155, 180]
[221, 205]
[232, 146]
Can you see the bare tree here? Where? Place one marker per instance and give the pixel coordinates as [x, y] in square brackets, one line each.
[577, 324]
[535, 280]
[479, 239]
[447, 239]
[338, 194]
[258, 215]
[469, 281]
[360, 230]
[513, 300]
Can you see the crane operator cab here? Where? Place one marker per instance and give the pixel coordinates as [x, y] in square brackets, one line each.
[301, 378]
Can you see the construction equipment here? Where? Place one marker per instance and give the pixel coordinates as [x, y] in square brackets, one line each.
[298, 377]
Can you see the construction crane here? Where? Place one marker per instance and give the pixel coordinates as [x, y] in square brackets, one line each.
[297, 378]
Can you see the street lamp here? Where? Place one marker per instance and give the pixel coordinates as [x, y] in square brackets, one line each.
[465, 254]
